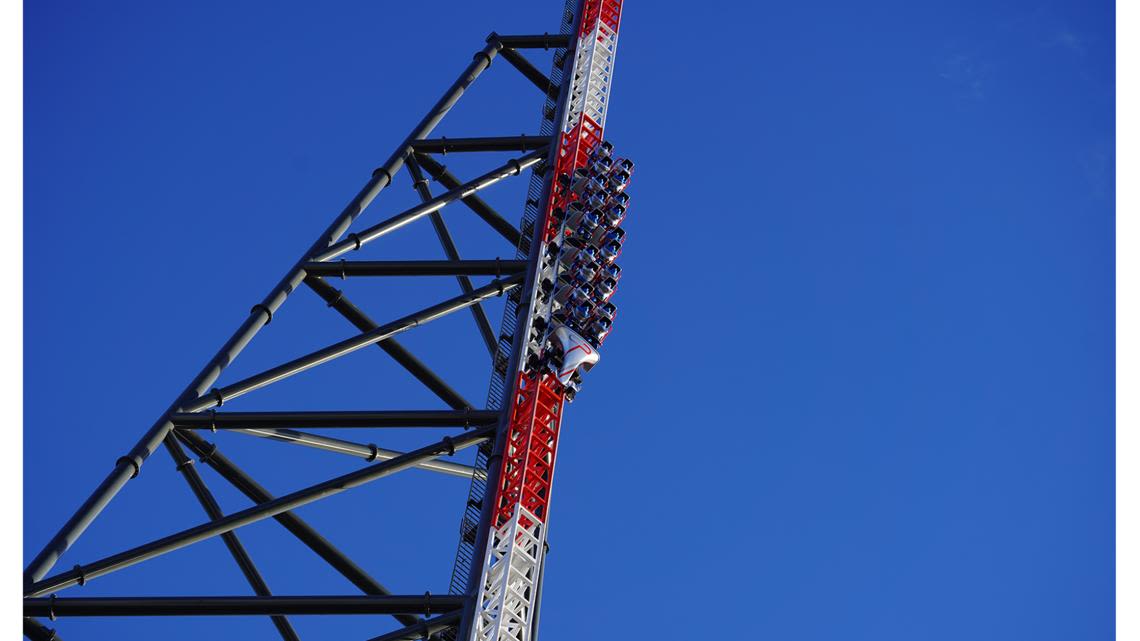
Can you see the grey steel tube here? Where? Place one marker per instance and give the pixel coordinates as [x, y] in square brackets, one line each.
[356, 240]
[486, 143]
[538, 588]
[254, 514]
[530, 72]
[218, 396]
[338, 301]
[477, 204]
[383, 418]
[213, 511]
[369, 452]
[346, 268]
[291, 522]
[129, 466]
[544, 41]
[37, 631]
[240, 605]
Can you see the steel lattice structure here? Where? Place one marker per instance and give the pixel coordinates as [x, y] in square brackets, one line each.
[556, 314]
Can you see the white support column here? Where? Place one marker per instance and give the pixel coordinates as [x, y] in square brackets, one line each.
[507, 596]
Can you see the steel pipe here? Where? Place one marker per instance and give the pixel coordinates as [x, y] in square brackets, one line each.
[214, 512]
[486, 143]
[345, 268]
[476, 204]
[356, 240]
[530, 72]
[37, 631]
[544, 41]
[240, 605]
[383, 418]
[128, 467]
[254, 514]
[294, 524]
[218, 396]
[369, 452]
[420, 184]
[338, 301]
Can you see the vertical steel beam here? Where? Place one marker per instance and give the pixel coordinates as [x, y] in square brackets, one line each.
[538, 588]
[128, 466]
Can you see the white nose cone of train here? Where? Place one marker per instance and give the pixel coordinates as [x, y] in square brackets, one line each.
[576, 352]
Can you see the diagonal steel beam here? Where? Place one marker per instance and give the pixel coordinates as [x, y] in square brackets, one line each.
[419, 183]
[218, 396]
[337, 300]
[254, 514]
[531, 72]
[476, 204]
[294, 524]
[240, 605]
[487, 143]
[356, 240]
[37, 631]
[369, 452]
[129, 466]
[186, 466]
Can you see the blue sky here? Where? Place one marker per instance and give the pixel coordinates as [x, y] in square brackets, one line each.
[861, 383]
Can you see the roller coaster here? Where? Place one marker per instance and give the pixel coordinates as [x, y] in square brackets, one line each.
[558, 310]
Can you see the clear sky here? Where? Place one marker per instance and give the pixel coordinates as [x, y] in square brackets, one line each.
[861, 382]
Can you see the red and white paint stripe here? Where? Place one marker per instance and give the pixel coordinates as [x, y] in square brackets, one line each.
[513, 559]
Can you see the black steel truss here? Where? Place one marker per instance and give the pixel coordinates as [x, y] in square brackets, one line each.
[499, 143]
[83, 573]
[214, 420]
[197, 407]
[238, 605]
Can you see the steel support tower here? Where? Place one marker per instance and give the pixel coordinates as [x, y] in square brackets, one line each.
[498, 568]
